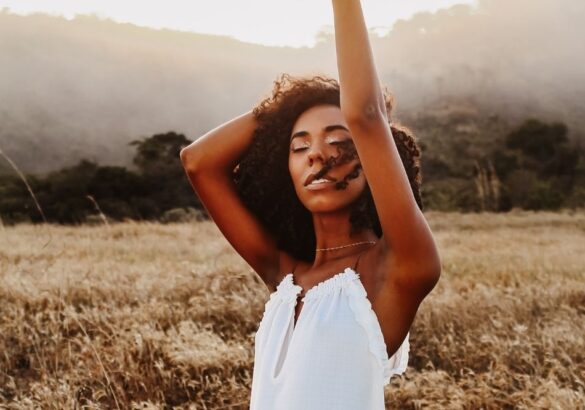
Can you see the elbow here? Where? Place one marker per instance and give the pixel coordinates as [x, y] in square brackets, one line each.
[183, 155]
[188, 159]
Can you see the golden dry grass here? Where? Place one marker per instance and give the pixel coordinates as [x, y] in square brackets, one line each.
[141, 315]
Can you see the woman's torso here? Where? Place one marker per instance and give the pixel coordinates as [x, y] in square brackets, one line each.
[329, 354]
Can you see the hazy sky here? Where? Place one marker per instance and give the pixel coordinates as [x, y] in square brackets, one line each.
[270, 22]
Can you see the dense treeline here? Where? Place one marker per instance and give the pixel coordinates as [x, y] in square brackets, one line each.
[534, 166]
[79, 193]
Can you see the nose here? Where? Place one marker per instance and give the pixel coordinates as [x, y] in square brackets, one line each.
[316, 152]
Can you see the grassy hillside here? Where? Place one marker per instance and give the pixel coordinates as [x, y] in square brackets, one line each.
[144, 315]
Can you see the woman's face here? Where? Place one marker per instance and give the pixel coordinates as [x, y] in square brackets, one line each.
[316, 136]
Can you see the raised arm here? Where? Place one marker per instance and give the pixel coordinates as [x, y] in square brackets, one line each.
[222, 147]
[413, 261]
[209, 162]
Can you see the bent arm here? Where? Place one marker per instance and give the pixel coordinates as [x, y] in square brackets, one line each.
[209, 163]
[222, 147]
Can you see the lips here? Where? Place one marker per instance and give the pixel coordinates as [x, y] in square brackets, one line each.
[311, 177]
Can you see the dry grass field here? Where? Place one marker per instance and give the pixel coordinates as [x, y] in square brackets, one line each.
[141, 315]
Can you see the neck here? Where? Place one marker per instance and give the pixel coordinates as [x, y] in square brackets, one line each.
[333, 230]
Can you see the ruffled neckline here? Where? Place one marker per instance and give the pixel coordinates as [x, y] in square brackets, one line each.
[289, 289]
[363, 313]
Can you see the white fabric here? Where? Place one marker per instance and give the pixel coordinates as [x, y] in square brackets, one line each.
[333, 358]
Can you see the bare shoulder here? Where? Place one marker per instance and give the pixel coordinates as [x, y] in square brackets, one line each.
[373, 268]
[395, 307]
[286, 264]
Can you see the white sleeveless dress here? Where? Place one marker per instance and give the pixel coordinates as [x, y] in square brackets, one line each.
[334, 358]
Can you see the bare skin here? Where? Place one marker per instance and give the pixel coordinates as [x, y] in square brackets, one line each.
[329, 207]
[403, 266]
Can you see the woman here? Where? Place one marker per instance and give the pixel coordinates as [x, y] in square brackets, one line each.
[305, 186]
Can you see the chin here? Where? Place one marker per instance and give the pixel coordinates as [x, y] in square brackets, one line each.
[326, 204]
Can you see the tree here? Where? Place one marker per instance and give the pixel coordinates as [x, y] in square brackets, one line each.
[538, 140]
[159, 154]
[64, 196]
[538, 165]
[158, 161]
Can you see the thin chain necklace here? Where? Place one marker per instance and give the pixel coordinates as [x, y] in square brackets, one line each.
[344, 246]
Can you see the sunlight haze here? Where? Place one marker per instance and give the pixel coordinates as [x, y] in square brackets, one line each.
[269, 22]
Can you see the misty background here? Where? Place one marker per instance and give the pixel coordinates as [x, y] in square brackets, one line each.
[86, 87]
[96, 112]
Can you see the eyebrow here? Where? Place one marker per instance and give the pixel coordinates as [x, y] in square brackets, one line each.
[328, 128]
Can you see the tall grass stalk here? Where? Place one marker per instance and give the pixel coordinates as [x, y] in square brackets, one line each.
[97, 207]
[98, 358]
[23, 178]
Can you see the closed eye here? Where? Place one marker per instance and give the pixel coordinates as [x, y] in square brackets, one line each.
[332, 143]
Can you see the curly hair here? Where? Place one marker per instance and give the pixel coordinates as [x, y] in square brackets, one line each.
[263, 180]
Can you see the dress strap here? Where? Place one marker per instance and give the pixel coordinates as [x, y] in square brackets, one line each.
[357, 260]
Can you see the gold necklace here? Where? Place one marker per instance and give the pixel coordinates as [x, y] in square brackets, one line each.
[344, 246]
